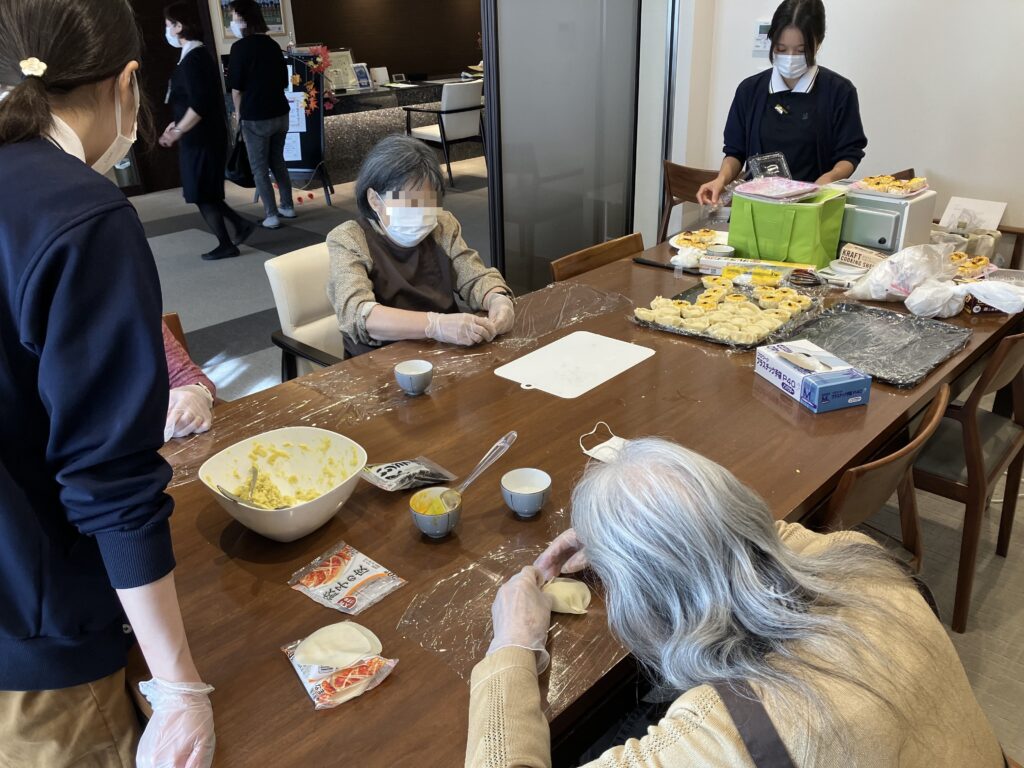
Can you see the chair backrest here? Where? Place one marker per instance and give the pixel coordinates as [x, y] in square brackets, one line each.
[1004, 366]
[173, 323]
[863, 490]
[298, 281]
[681, 185]
[905, 175]
[596, 256]
[461, 96]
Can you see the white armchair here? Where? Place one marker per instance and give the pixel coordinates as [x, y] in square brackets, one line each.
[459, 119]
[309, 337]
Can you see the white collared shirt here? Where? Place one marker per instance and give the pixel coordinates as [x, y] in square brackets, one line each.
[64, 137]
[188, 47]
[803, 85]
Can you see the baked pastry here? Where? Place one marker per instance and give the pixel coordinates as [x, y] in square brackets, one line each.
[680, 304]
[803, 300]
[722, 331]
[708, 305]
[791, 306]
[786, 293]
[711, 281]
[735, 298]
[763, 290]
[958, 257]
[643, 314]
[770, 301]
[779, 314]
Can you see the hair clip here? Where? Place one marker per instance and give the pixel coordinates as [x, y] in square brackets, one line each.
[32, 67]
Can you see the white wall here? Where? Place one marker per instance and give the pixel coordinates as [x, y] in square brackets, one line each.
[941, 86]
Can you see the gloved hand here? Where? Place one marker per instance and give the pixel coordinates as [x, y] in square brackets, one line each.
[500, 311]
[563, 555]
[180, 732]
[459, 328]
[522, 615]
[189, 409]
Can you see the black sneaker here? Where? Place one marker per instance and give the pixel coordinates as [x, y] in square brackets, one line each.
[221, 252]
[244, 232]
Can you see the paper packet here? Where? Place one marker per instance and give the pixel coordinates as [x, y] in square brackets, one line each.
[329, 686]
[345, 579]
[410, 473]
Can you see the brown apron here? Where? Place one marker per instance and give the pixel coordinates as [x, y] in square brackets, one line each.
[755, 727]
[419, 279]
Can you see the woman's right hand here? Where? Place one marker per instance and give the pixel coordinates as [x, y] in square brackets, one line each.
[709, 193]
[459, 328]
[564, 555]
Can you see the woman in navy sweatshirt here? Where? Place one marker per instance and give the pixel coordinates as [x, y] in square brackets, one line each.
[807, 112]
[86, 565]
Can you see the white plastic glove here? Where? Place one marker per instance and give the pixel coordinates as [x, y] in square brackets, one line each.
[500, 311]
[189, 409]
[564, 555]
[180, 732]
[459, 328]
[522, 615]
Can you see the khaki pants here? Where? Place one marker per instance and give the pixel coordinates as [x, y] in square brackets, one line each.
[85, 726]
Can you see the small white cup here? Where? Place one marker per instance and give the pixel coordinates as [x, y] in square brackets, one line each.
[414, 376]
[721, 251]
[526, 491]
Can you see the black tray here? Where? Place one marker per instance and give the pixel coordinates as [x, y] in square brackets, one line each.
[889, 346]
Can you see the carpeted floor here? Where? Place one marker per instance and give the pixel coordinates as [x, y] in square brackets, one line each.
[226, 307]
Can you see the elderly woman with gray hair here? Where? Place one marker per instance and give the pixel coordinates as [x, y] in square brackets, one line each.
[397, 270]
[780, 647]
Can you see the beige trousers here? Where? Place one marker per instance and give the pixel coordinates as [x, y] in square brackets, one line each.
[85, 726]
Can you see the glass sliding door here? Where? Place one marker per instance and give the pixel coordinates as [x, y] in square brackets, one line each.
[562, 95]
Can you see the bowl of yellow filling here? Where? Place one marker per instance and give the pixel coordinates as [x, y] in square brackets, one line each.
[286, 483]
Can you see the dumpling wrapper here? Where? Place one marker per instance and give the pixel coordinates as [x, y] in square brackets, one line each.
[568, 595]
[338, 645]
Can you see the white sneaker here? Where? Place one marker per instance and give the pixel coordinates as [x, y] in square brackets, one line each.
[272, 222]
[286, 212]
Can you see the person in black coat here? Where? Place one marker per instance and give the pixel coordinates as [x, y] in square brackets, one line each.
[805, 111]
[200, 130]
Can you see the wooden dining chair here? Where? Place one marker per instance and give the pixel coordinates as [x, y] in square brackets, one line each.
[596, 256]
[864, 490]
[173, 323]
[681, 185]
[970, 450]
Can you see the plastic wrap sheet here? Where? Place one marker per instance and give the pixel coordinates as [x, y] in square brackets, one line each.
[888, 346]
[453, 619]
[233, 422]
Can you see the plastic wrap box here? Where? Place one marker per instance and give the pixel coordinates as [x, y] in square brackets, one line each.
[817, 379]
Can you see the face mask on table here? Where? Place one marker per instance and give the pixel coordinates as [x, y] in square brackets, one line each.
[171, 38]
[238, 28]
[409, 225]
[791, 67]
[122, 144]
[608, 450]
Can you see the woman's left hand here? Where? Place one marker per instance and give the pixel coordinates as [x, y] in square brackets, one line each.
[500, 311]
[522, 614]
[168, 137]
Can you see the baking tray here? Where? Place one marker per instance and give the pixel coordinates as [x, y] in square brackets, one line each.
[889, 346]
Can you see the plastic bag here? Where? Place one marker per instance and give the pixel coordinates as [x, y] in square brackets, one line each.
[329, 686]
[402, 475]
[1005, 297]
[897, 277]
[934, 298]
[345, 579]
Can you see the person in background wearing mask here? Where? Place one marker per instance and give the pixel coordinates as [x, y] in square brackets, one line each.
[258, 77]
[397, 270]
[200, 125]
[808, 113]
[190, 407]
[86, 564]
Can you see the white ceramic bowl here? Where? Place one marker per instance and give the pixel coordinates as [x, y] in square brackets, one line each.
[434, 526]
[316, 459]
[526, 490]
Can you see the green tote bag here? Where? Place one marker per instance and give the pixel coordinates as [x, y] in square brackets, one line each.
[806, 232]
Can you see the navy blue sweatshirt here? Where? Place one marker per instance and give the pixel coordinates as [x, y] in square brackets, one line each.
[83, 383]
[839, 128]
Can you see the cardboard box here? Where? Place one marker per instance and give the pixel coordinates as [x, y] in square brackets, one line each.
[859, 256]
[817, 379]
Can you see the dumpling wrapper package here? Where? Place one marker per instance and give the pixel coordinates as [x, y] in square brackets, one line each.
[568, 595]
[330, 686]
[338, 646]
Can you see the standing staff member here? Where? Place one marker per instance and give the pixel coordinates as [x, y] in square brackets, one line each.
[258, 77]
[200, 124]
[85, 547]
[807, 112]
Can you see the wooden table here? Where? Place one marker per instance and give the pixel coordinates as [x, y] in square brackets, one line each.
[233, 583]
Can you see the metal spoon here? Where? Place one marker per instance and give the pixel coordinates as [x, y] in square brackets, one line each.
[452, 498]
[253, 475]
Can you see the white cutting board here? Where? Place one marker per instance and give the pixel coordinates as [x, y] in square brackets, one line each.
[574, 364]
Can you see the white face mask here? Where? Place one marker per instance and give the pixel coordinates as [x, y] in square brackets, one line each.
[791, 67]
[607, 451]
[409, 225]
[121, 145]
[238, 28]
[172, 39]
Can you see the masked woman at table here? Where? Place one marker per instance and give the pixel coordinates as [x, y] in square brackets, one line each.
[400, 270]
[86, 564]
[767, 638]
[803, 110]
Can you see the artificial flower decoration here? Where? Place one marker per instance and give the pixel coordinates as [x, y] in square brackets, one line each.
[32, 67]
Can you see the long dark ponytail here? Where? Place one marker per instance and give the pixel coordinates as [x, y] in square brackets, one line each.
[80, 41]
